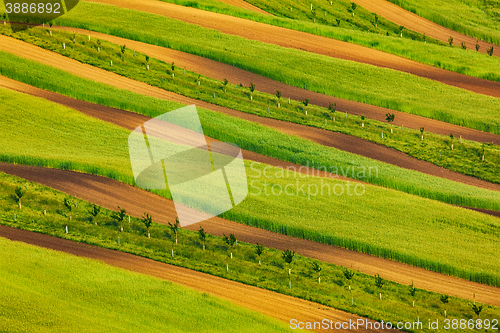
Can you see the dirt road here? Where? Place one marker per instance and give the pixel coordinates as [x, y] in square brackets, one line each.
[109, 194]
[269, 303]
[307, 42]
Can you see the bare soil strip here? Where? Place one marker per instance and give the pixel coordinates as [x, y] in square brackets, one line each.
[269, 303]
[340, 141]
[110, 194]
[307, 42]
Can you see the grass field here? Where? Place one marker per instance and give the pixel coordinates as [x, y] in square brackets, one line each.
[476, 18]
[466, 157]
[432, 53]
[382, 222]
[398, 91]
[49, 291]
[248, 135]
[272, 274]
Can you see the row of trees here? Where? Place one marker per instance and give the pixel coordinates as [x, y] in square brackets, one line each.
[287, 255]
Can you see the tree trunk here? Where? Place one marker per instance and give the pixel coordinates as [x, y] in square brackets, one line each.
[349, 286]
[231, 254]
[259, 261]
[225, 90]
[445, 312]
[175, 238]
[482, 157]
[147, 66]
[172, 253]
[422, 138]
[203, 245]
[362, 124]
[19, 203]
[391, 130]
[319, 279]
[452, 146]
[251, 97]
[279, 105]
[67, 229]
[380, 295]
[70, 217]
[44, 212]
[98, 49]
[149, 235]
[413, 303]
[95, 221]
[306, 112]
[198, 82]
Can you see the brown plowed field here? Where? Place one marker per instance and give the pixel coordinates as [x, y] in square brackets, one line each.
[307, 42]
[269, 303]
[337, 140]
[419, 24]
[110, 194]
[219, 71]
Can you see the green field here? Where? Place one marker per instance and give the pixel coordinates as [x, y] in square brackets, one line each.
[466, 157]
[399, 91]
[410, 46]
[247, 135]
[382, 222]
[272, 274]
[49, 291]
[476, 18]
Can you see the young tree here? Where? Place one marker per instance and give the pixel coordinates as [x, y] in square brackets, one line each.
[389, 117]
[147, 220]
[450, 41]
[348, 274]
[50, 28]
[231, 240]
[353, 7]
[451, 139]
[313, 12]
[317, 268]
[287, 256]
[147, 62]
[422, 133]
[338, 22]
[203, 236]
[119, 216]
[425, 38]
[278, 96]
[19, 193]
[477, 309]
[376, 20]
[172, 67]
[175, 228]
[477, 46]
[306, 103]
[225, 82]
[362, 121]
[98, 45]
[252, 89]
[199, 79]
[445, 299]
[332, 108]
[463, 46]
[379, 283]
[412, 291]
[401, 28]
[490, 51]
[259, 249]
[94, 210]
[69, 205]
[122, 49]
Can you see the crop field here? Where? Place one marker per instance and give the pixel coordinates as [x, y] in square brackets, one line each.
[400, 91]
[436, 148]
[377, 226]
[271, 274]
[474, 18]
[430, 229]
[48, 291]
